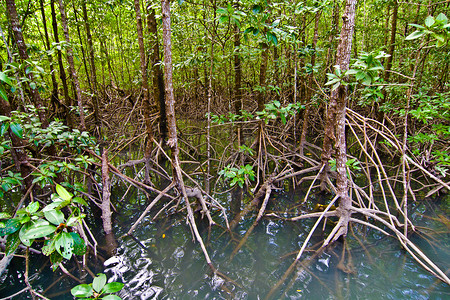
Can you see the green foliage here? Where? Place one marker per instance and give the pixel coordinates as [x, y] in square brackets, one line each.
[246, 149]
[5, 82]
[352, 164]
[49, 224]
[238, 176]
[364, 70]
[438, 28]
[98, 289]
[274, 110]
[433, 111]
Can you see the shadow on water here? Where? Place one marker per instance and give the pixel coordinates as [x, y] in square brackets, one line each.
[161, 261]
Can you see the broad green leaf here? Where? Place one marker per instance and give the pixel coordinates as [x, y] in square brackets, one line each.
[65, 241]
[112, 297]
[80, 201]
[54, 216]
[429, 21]
[55, 259]
[63, 193]
[415, 35]
[4, 215]
[82, 290]
[3, 93]
[16, 129]
[79, 247]
[32, 207]
[5, 78]
[417, 26]
[112, 287]
[99, 282]
[3, 128]
[49, 248]
[442, 18]
[36, 232]
[11, 226]
[12, 242]
[22, 232]
[4, 118]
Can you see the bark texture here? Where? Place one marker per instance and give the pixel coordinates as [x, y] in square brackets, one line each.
[335, 127]
[73, 71]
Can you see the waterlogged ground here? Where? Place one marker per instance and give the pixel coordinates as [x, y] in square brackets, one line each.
[163, 262]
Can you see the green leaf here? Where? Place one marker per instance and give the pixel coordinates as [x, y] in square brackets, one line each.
[99, 282]
[4, 215]
[82, 290]
[23, 230]
[36, 232]
[429, 21]
[32, 207]
[12, 242]
[415, 35]
[112, 297]
[55, 259]
[3, 93]
[3, 128]
[49, 248]
[80, 201]
[54, 216]
[63, 193]
[79, 247]
[442, 18]
[65, 241]
[5, 78]
[112, 287]
[16, 129]
[11, 226]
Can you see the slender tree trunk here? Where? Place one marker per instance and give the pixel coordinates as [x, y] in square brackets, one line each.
[22, 48]
[62, 72]
[72, 65]
[310, 86]
[172, 128]
[158, 76]
[143, 67]
[18, 153]
[238, 105]
[338, 103]
[54, 97]
[262, 76]
[94, 90]
[339, 94]
[392, 43]
[112, 74]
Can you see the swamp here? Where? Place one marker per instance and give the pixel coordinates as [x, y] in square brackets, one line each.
[245, 149]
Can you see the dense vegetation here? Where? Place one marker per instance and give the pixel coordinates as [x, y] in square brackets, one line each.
[343, 98]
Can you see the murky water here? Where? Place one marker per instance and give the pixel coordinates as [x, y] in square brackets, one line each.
[163, 262]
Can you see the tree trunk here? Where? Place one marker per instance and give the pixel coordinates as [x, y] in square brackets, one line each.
[170, 98]
[237, 71]
[54, 97]
[336, 120]
[310, 85]
[22, 48]
[262, 76]
[158, 76]
[62, 72]
[72, 65]
[94, 90]
[18, 153]
[143, 67]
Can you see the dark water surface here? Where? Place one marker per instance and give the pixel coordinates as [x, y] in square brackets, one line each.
[166, 264]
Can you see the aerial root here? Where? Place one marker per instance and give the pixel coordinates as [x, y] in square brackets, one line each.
[255, 223]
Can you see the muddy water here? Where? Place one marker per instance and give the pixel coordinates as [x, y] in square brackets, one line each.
[163, 262]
